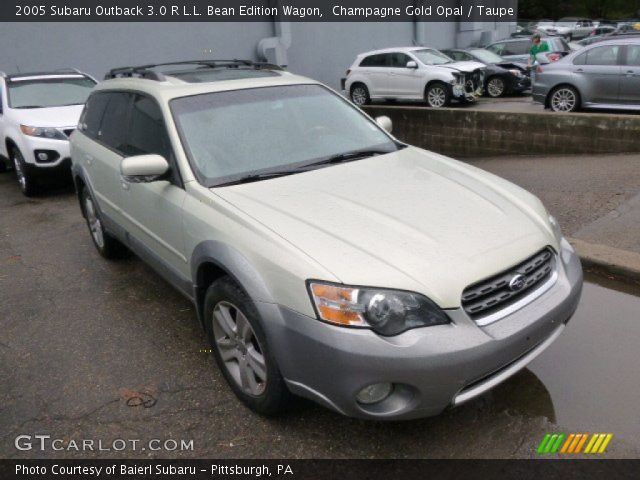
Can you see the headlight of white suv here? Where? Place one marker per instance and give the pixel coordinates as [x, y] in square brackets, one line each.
[387, 312]
[43, 132]
[557, 232]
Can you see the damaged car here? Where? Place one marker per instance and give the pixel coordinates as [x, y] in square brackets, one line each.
[502, 77]
[412, 73]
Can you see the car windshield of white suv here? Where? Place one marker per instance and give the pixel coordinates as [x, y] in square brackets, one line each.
[49, 92]
[254, 134]
[429, 56]
[486, 56]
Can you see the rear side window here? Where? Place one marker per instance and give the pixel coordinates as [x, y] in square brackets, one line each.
[379, 60]
[516, 48]
[147, 133]
[496, 48]
[92, 114]
[605, 55]
[113, 130]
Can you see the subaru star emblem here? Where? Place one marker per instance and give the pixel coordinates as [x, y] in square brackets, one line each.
[517, 282]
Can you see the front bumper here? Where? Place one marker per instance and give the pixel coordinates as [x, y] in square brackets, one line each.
[520, 84]
[431, 368]
[59, 153]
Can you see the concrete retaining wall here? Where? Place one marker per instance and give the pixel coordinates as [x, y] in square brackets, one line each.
[466, 132]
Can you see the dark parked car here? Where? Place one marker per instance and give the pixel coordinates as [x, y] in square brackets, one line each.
[517, 49]
[603, 75]
[501, 76]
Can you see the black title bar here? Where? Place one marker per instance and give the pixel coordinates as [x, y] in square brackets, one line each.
[258, 10]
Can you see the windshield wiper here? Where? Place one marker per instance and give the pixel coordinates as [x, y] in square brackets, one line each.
[348, 156]
[256, 177]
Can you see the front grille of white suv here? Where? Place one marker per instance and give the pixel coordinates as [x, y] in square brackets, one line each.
[493, 295]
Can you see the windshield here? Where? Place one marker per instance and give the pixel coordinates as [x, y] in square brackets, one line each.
[545, 24]
[566, 23]
[431, 57]
[232, 134]
[486, 56]
[49, 92]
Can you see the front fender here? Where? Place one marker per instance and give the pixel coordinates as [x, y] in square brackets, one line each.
[234, 264]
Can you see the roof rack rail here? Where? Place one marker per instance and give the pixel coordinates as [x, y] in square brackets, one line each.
[69, 70]
[145, 71]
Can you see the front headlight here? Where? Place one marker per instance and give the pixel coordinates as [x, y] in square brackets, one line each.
[387, 312]
[515, 72]
[43, 132]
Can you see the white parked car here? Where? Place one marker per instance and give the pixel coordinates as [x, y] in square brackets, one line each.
[324, 257]
[571, 28]
[412, 73]
[38, 112]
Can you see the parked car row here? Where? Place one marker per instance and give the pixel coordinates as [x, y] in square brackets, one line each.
[274, 205]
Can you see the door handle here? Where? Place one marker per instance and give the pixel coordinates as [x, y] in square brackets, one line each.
[630, 73]
[124, 184]
[89, 159]
[579, 70]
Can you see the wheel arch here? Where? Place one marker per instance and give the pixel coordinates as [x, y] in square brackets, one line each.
[212, 260]
[547, 100]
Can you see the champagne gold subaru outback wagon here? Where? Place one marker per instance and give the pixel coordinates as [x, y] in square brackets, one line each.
[325, 258]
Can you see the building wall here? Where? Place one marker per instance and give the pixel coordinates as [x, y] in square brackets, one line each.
[320, 50]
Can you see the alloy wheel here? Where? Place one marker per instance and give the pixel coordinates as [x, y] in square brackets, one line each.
[359, 96]
[436, 97]
[239, 348]
[563, 100]
[95, 226]
[495, 87]
[17, 165]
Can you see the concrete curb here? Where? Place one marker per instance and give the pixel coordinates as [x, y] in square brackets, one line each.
[608, 259]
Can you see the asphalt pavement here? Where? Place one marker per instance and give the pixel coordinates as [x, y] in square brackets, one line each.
[105, 351]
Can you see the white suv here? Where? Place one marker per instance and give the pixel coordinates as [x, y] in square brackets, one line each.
[324, 257]
[412, 73]
[38, 112]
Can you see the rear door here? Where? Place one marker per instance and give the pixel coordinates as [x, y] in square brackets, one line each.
[375, 68]
[630, 76]
[598, 71]
[99, 149]
[3, 149]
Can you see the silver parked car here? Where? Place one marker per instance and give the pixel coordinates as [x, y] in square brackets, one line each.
[603, 75]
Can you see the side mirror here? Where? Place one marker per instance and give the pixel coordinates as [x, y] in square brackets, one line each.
[412, 64]
[385, 122]
[143, 168]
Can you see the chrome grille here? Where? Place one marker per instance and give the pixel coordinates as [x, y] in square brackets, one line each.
[493, 294]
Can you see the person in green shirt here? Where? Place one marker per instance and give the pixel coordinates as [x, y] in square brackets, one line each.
[537, 46]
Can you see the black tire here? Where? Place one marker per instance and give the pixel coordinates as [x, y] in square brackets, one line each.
[496, 86]
[26, 182]
[3, 166]
[437, 95]
[271, 396]
[359, 94]
[108, 246]
[564, 98]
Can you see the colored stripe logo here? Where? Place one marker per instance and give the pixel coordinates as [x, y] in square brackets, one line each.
[574, 443]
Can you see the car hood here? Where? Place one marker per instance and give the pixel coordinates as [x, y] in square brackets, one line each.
[49, 117]
[512, 65]
[467, 67]
[411, 220]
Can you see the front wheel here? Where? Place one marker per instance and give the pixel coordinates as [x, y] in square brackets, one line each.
[496, 87]
[564, 99]
[241, 350]
[437, 95]
[25, 180]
